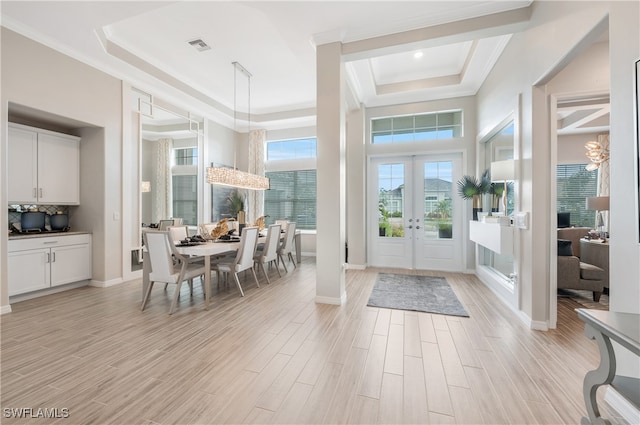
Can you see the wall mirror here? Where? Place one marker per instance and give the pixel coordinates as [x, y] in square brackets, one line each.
[169, 168]
[498, 146]
[169, 149]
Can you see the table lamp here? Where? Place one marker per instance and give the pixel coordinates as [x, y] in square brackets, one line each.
[598, 203]
[503, 171]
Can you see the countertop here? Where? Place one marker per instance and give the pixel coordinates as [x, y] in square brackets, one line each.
[13, 236]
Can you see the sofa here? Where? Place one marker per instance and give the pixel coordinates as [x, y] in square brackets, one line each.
[573, 273]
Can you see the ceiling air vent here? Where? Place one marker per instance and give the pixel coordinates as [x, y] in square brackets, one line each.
[200, 45]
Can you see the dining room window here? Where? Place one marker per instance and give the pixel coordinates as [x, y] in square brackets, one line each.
[184, 184]
[291, 169]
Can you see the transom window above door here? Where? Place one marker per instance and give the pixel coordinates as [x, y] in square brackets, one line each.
[415, 128]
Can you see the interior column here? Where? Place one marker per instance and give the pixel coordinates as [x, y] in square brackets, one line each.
[331, 186]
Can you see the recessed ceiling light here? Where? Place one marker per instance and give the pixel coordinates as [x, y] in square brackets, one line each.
[199, 44]
[418, 54]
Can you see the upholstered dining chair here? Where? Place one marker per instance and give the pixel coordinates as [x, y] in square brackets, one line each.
[243, 259]
[206, 228]
[161, 254]
[269, 252]
[178, 233]
[287, 245]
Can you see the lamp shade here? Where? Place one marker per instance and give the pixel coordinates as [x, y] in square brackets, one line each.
[598, 203]
[502, 171]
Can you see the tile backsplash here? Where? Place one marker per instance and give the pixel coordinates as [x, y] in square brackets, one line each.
[16, 210]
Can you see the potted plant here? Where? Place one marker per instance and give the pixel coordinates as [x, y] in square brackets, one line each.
[235, 201]
[443, 213]
[470, 187]
[384, 227]
[497, 192]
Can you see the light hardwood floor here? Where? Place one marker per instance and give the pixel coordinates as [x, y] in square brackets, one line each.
[275, 356]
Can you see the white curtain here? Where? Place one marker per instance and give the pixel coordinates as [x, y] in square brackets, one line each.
[256, 166]
[163, 207]
[603, 177]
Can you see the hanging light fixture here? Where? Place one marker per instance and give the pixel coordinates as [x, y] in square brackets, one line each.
[233, 177]
[596, 153]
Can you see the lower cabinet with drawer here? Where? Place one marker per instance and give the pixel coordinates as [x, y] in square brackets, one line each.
[44, 262]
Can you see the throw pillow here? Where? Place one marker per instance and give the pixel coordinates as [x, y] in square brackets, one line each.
[564, 248]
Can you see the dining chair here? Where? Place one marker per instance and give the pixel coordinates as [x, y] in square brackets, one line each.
[161, 254]
[163, 224]
[243, 259]
[269, 252]
[287, 245]
[206, 228]
[283, 224]
[178, 233]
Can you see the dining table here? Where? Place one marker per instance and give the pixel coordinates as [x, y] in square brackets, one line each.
[206, 250]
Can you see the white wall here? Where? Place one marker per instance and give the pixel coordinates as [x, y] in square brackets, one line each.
[625, 249]
[571, 148]
[45, 80]
[541, 51]
[556, 36]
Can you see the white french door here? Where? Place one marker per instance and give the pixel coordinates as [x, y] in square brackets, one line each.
[415, 219]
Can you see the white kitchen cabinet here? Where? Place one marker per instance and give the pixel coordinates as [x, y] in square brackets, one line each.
[44, 167]
[28, 270]
[36, 263]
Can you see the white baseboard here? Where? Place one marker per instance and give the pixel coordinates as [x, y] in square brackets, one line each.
[626, 409]
[5, 309]
[106, 283]
[488, 279]
[332, 300]
[307, 254]
[536, 325]
[47, 291]
[350, 266]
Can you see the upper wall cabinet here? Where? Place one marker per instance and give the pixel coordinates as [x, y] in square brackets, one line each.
[43, 167]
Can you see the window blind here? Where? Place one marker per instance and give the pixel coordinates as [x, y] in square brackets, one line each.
[292, 197]
[574, 185]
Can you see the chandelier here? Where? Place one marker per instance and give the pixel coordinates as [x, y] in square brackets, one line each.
[597, 154]
[233, 177]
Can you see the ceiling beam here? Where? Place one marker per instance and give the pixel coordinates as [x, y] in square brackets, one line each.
[438, 35]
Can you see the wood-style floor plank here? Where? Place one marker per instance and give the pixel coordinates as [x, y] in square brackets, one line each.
[275, 356]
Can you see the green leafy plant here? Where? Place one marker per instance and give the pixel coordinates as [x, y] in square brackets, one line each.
[235, 201]
[470, 186]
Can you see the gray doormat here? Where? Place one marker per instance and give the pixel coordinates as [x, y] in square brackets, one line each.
[431, 294]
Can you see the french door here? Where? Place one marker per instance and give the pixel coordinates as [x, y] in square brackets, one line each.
[415, 219]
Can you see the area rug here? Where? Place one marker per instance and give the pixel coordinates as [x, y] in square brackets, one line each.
[430, 294]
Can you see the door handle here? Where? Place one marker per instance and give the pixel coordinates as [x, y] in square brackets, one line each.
[48, 257]
[41, 192]
[409, 227]
[417, 227]
[410, 220]
[54, 258]
[35, 192]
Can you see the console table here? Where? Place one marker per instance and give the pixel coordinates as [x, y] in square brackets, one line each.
[605, 326]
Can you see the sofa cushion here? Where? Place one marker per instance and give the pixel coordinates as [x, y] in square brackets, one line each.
[591, 272]
[574, 234]
[564, 248]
